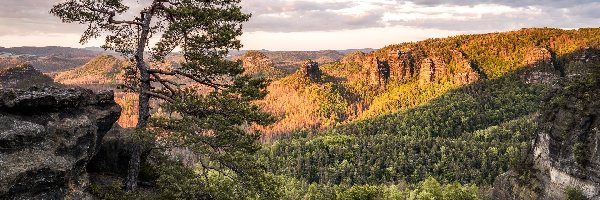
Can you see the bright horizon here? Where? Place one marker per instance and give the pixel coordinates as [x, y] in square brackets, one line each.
[288, 25]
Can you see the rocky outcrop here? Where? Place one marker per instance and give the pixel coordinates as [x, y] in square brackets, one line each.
[431, 70]
[411, 65]
[47, 137]
[542, 65]
[566, 151]
[311, 70]
[466, 73]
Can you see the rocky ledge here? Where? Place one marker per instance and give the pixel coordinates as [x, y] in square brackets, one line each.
[47, 137]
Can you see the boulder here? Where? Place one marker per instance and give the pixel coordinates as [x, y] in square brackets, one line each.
[47, 137]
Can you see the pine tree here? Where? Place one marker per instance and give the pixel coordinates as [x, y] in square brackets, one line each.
[211, 124]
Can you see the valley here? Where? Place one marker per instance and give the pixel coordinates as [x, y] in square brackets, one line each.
[443, 117]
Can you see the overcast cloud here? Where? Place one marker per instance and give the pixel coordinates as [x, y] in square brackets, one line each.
[461, 15]
[31, 18]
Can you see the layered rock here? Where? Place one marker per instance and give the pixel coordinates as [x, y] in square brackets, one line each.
[394, 66]
[402, 65]
[466, 71]
[47, 137]
[431, 70]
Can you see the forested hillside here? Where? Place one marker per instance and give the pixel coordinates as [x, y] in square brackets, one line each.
[402, 76]
[433, 121]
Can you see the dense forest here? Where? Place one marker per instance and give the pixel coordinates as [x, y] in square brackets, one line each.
[443, 132]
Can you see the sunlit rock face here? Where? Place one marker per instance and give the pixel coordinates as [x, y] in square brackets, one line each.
[542, 67]
[393, 65]
[47, 137]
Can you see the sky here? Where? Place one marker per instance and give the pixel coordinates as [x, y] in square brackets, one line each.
[331, 24]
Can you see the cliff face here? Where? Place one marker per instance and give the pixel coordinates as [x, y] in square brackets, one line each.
[566, 151]
[47, 137]
[393, 65]
[546, 72]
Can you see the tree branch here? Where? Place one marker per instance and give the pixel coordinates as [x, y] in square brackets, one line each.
[165, 83]
[160, 96]
[204, 81]
[111, 16]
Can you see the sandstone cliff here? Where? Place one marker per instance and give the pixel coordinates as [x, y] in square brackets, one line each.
[47, 137]
[395, 65]
[566, 152]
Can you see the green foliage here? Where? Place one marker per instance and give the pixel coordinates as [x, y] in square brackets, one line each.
[211, 125]
[109, 192]
[574, 194]
[471, 134]
[360, 192]
[580, 151]
[428, 189]
[332, 103]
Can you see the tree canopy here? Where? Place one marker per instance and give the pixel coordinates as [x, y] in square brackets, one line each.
[206, 99]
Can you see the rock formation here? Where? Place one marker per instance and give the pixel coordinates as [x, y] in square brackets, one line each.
[408, 65]
[566, 151]
[466, 72]
[543, 65]
[47, 137]
[383, 72]
[402, 66]
[310, 69]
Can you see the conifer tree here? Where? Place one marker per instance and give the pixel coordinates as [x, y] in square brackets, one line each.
[208, 123]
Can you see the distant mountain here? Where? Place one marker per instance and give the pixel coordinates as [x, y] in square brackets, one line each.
[365, 50]
[23, 77]
[46, 59]
[102, 70]
[290, 61]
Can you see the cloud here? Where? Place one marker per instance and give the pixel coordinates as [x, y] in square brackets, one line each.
[294, 16]
[31, 17]
[455, 15]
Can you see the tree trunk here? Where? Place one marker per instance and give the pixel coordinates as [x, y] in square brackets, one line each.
[143, 104]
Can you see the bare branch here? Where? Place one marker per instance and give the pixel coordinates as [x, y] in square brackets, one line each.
[160, 96]
[165, 84]
[202, 81]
